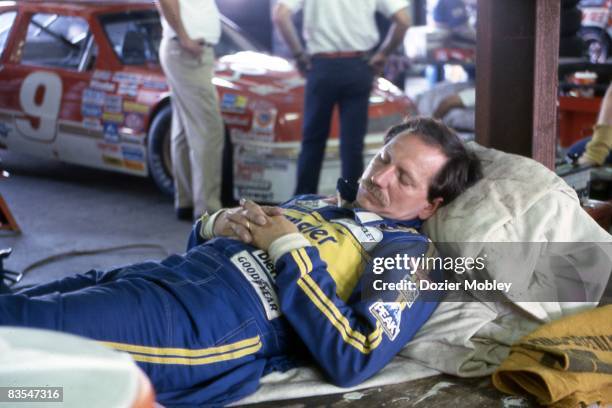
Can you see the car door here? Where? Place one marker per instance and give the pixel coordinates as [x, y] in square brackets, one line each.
[45, 82]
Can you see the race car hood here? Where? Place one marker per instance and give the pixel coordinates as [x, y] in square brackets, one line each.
[257, 73]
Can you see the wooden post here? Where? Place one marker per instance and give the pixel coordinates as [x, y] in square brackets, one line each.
[516, 76]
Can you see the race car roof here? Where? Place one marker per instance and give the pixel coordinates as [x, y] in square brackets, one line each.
[79, 5]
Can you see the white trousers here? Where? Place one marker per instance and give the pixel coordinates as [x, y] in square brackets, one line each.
[197, 128]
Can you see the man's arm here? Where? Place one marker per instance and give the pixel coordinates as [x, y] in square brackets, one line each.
[171, 11]
[282, 18]
[350, 342]
[395, 36]
[598, 149]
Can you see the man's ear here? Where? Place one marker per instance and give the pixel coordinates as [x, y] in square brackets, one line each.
[431, 208]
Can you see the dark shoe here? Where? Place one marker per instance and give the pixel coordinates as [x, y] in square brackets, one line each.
[185, 214]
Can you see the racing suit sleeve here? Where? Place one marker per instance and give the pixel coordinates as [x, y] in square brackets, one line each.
[202, 230]
[349, 341]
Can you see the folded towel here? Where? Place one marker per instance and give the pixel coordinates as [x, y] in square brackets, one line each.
[565, 363]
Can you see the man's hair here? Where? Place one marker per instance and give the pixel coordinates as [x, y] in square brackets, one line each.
[462, 168]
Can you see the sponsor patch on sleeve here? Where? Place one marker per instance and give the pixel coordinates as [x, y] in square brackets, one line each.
[257, 275]
[389, 315]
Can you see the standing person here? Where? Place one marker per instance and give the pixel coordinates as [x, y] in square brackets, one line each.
[339, 69]
[190, 30]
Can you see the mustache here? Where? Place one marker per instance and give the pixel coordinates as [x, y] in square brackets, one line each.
[375, 191]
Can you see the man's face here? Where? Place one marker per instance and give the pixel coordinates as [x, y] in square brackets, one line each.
[395, 183]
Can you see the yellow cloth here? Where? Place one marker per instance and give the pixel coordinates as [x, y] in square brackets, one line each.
[600, 145]
[563, 363]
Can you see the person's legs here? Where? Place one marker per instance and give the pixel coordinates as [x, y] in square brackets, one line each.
[199, 107]
[354, 102]
[320, 97]
[67, 284]
[179, 149]
[189, 331]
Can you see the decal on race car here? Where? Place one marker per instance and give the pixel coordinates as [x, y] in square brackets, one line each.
[130, 106]
[102, 75]
[134, 121]
[263, 121]
[156, 85]
[234, 103]
[113, 104]
[46, 111]
[111, 132]
[102, 86]
[92, 123]
[91, 111]
[238, 137]
[93, 97]
[233, 120]
[123, 77]
[113, 117]
[128, 88]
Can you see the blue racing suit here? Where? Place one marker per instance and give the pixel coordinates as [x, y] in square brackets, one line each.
[207, 325]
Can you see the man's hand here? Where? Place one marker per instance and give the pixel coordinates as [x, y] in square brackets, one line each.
[237, 222]
[193, 47]
[275, 227]
[377, 63]
[303, 63]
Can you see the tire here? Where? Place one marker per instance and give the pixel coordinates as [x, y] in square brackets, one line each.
[160, 161]
[158, 150]
[596, 44]
[571, 21]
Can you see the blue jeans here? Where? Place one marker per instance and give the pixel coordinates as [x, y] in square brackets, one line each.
[346, 82]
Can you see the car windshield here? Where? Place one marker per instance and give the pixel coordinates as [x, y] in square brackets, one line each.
[135, 37]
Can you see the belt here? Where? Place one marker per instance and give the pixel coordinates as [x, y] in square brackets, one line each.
[340, 54]
[203, 43]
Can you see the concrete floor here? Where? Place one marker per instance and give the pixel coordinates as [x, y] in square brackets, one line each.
[63, 208]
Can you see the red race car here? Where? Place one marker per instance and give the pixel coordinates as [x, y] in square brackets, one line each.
[81, 82]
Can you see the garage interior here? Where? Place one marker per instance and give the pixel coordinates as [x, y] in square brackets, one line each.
[68, 218]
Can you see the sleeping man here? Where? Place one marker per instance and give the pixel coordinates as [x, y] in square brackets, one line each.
[266, 288]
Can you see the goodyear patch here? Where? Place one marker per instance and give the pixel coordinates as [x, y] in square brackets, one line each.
[389, 315]
[130, 106]
[234, 103]
[257, 276]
